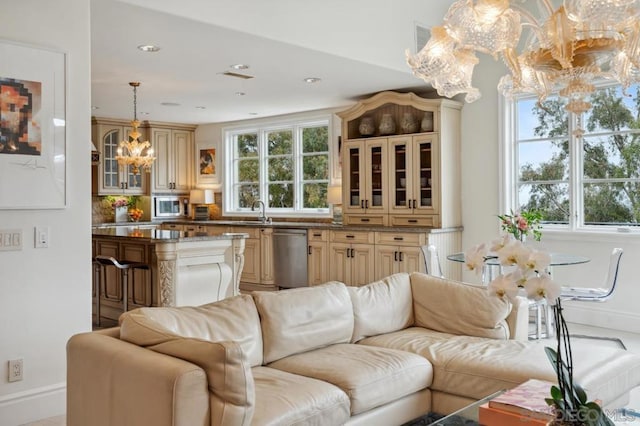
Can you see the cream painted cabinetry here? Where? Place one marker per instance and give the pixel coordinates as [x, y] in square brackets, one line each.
[398, 252]
[174, 150]
[416, 181]
[108, 176]
[257, 273]
[365, 181]
[318, 249]
[351, 257]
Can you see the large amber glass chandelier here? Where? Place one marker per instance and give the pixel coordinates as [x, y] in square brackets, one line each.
[132, 152]
[564, 51]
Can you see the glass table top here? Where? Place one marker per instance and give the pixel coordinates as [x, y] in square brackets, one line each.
[467, 415]
[557, 259]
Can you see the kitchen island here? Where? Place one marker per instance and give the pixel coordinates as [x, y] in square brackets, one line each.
[184, 268]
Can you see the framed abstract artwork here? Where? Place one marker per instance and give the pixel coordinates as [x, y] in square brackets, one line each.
[206, 164]
[32, 127]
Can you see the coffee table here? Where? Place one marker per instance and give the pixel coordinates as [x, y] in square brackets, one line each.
[467, 415]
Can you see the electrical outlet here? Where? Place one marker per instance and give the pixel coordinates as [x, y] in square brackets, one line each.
[41, 235]
[15, 370]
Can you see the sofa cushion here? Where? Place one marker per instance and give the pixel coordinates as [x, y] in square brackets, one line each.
[475, 367]
[289, 399]
[457, 308]
[234, 319]
[301, 319]
[371, 376]
[382, 306]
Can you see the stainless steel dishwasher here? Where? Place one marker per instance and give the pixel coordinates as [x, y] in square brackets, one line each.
[290, 257]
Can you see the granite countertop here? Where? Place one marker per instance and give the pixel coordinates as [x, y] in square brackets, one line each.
[294, 225]
[160, 235]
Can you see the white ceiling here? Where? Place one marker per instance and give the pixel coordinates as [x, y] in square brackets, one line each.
[355, 46]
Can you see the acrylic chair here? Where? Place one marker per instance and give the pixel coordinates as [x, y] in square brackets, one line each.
[599, 294]
[431, 260]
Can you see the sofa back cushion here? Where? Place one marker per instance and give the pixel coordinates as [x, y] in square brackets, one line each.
[382, 307]
[302, 319]
[233, 319]
[458, 308]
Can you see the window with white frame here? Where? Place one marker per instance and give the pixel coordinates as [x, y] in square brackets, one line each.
[286, 166]
[580, 172]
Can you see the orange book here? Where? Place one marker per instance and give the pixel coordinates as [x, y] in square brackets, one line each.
[488, 416]
[526, 399]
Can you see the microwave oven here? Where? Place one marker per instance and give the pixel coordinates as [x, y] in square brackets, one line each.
[170, 206]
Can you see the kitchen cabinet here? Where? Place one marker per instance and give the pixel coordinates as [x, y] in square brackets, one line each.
[108, 176]
[172, 170]
[141, 293]
[257, 273]
[365, 181]
[406, 177]
[351, 257]
[398, 252]
[318, 252]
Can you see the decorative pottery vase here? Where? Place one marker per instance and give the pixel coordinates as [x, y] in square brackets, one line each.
[367, 126]
[387, 125]
[408, 124]
[121, 214]
[427, 122]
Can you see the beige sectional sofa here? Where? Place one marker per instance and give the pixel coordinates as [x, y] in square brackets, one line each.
[380, 354]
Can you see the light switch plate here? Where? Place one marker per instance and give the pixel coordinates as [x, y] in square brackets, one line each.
[41, 236]
[10, 239]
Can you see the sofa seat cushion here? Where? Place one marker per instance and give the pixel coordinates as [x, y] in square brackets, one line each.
[370, 376]
[475, 367]
[382, 306]
[289, 399]
[301, 319]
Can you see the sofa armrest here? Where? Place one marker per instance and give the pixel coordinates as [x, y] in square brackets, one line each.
[112, 382]
[518, 319]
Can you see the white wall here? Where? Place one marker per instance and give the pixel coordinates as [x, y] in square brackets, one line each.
[46, 293]
[481, 204]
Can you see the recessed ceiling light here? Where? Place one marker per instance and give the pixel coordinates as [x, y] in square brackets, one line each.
[148, 48]
[312, 80]
[253, 113]
[201, 107]
[239, 66]
[240, 93]
[144, 113]
[169, 103]
[94, 107]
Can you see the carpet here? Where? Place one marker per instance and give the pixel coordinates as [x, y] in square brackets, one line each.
[432, 419]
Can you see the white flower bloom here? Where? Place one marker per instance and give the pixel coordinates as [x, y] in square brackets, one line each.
[510, 253]
[474, 257]
[500, 243]
[537, 261]
[503, 286]
[543, 287]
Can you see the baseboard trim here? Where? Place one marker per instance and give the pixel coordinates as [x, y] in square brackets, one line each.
[591, 313]
[33, 404]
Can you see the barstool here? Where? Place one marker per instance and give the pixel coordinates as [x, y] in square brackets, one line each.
[123, 266]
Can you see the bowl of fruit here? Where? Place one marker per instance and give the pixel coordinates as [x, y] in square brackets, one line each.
[135, 214]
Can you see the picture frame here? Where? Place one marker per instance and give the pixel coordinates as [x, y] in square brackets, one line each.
[206, 164]
[32, 127]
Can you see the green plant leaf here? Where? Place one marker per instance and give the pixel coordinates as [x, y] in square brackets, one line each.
[580, 393]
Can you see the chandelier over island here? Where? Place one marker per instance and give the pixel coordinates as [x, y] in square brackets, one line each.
[133, 152]
[562, 52]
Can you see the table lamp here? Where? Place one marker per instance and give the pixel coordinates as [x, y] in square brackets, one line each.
[199, 198]
[334, 198]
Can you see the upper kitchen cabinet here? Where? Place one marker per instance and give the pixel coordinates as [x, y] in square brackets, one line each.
[174, 149]
[401, 161]
[109, 177]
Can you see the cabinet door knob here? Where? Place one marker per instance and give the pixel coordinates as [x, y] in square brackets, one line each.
[309, 252]
[395, 256]
[400, 256]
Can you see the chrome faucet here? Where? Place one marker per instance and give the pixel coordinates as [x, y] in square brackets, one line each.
[262, 217]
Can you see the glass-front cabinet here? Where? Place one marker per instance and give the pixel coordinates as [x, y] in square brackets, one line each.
[401, 161]
[366, 177]
[413, 174]
[111, 177]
